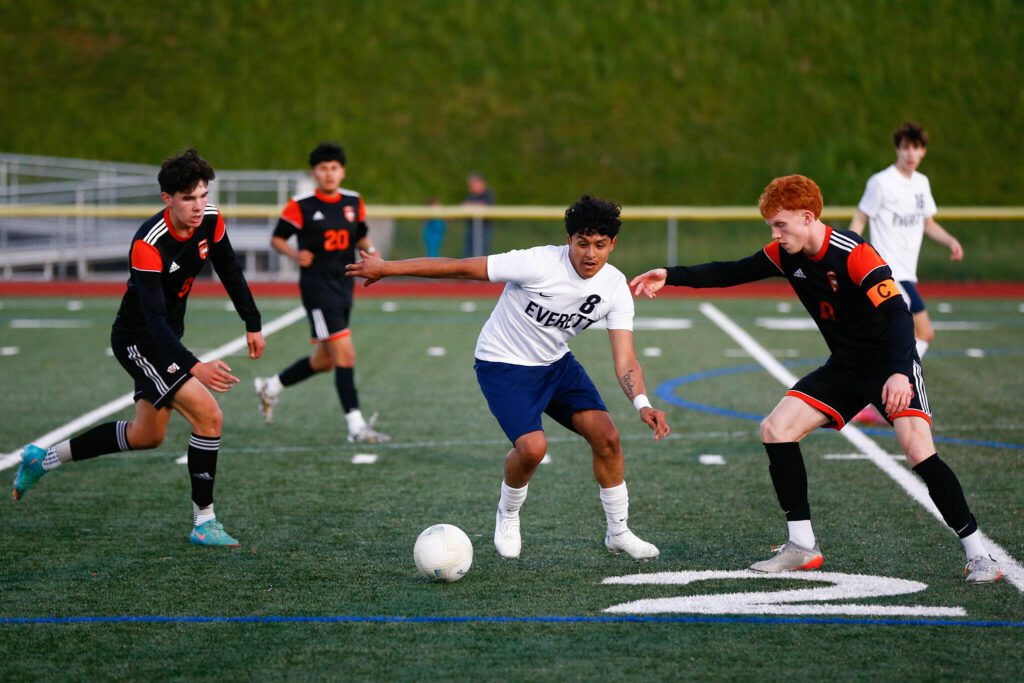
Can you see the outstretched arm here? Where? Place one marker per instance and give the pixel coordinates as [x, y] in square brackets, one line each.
[631, 379]
[373, 268]
[939, 234]
[714, 274]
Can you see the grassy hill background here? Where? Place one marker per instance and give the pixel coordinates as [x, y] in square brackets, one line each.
[647, 102]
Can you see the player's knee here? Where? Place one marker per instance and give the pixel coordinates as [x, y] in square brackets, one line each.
[210, 421]
[607, 443]
[772, 431]
[532, 448]
[320, 364]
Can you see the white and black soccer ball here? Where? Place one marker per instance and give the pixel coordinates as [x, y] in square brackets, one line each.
[443, 552]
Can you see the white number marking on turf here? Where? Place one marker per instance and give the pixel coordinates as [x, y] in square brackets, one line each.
[914, 487]
[810, 600]
[364, 459]
[9, 351]
[708, 459]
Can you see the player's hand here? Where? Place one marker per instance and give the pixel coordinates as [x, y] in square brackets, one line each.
[370, 266]
[656, 420]
[956, 252]
[649, 283]
[897, 393]
[304, 258]
[214, 375]
[256, 344]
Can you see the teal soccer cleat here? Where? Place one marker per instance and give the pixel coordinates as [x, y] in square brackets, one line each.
[212, 533]
[30, 470]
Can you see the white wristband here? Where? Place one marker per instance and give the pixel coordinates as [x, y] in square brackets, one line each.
[641, 402]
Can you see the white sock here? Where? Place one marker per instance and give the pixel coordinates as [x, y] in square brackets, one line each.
[801, 533]
[355, 420]
[922, 347]
[274, 386]
[511, 500]
[974, 546]
[202, 515]
[615, 501]
[52, 459]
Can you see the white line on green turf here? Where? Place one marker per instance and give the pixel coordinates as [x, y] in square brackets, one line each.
[1013, 572]
[66, 430]
[364, 459]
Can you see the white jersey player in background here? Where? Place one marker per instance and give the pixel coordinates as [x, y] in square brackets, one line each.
[899, 205]
[525, 368]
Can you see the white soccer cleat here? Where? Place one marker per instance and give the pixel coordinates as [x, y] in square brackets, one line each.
[267, 399]
[790, 557]
[981, 569]
[368, 434]
[506, 536]
[631, 544]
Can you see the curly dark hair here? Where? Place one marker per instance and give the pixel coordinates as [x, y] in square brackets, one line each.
[327, 151]
[593, 216]
[183, 172]
[912, 132]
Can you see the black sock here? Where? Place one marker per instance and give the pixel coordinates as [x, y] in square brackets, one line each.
[109, 437]
[345, 382]
[296, 372]
[786, 465]
[948, 496]
[202, 467]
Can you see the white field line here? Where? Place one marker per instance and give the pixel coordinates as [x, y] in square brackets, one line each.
[64, 431]
[1013, 571]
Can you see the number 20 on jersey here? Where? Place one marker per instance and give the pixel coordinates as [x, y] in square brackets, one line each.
[335, 240]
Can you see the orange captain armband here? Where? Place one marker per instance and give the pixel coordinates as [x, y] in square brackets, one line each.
[884, 290]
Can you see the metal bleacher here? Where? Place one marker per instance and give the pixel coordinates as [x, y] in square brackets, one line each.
[86, 246]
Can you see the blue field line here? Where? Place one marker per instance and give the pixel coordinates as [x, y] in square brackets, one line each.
[603, 619]
[666, 392]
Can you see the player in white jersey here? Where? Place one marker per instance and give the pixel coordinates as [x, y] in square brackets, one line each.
[525, 368]
[899, 205]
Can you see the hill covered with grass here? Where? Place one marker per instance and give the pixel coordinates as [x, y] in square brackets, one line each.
[645, 102]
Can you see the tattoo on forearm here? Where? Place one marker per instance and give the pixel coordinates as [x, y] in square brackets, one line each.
[627, 384]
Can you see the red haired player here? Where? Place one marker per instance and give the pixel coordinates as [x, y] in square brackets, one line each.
[849, 292]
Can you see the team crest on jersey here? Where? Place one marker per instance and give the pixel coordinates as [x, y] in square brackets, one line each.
[833, 280]
[350, 214]
[172, 368]
[204, 249]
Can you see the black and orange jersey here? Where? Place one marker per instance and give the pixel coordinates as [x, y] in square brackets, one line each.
[846, 287]
[163, 268]
[330, 227]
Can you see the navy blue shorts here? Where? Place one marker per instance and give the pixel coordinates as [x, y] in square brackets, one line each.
[518, 394]
[910, 294]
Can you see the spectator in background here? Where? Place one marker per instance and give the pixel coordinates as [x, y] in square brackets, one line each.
[478, 230]
[433, 231]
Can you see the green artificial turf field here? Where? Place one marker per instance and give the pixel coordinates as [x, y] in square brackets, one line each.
[97, 579]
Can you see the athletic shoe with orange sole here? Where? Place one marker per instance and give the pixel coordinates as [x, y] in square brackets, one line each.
[790, 557]
[981, 569]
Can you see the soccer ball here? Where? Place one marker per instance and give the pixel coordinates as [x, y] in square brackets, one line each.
[443, 552]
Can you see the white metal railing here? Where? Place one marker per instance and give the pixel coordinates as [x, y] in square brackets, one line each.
[56, 213]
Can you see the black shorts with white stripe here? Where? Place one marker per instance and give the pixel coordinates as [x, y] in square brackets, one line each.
[156, 377]
[327, 323]
[840, 392]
